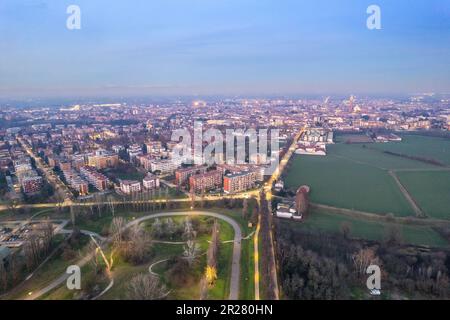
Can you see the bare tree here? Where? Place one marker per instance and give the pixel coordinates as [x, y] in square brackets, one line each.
[245, 208]
[72, 215]
[139, 244]
[116, 231]
[213, 248]
[192, 195]
[189, 232]
[364, 258]
[145, 287]
[32, 251]
[92, 247]
[157, 228]
[3, 277]
[47, 235]
[112, 206]
[169, 227]
[346, 228]
[191, 251]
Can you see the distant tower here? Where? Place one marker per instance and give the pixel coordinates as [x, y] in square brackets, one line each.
[351, 103]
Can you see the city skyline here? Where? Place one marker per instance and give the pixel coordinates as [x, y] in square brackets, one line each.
[222, 48]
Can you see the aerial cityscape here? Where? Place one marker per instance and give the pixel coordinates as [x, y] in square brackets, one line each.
[192, 165]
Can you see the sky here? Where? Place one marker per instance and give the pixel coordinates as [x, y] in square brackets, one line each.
[227, 47]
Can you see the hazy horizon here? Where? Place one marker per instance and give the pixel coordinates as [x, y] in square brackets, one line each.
[222, 48]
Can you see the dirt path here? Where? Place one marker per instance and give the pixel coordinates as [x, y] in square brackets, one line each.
[418, 212]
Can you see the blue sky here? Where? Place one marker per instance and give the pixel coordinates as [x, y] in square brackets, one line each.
[158, 47]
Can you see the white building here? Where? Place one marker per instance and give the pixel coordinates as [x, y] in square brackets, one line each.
[151, 182]
[130, 186]
[164, 166]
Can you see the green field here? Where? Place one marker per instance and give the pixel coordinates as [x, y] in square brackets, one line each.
[343, 183]
[370, 230]
[430, 189]
[356, 176]
[422, 146]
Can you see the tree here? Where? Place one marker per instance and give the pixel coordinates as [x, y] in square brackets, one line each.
[245, 208]
[192, 196]
[213, 249]
[145, 287]
[189, 231]
[72, 215]
[393, 235]
[139, 244]
[169, 227]
[116, 231]
[363, 259]
[211, 275]
[255, 214]
[191, 251]
[111, 205]
[32, 251]
[157, 228]
[3, 277]
[302, 203]
[95, 261]
[346, 228]
[47, 236]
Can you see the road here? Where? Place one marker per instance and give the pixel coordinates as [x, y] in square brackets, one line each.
[236, 258]
[268, 190]
[49, 175]
[87, 204]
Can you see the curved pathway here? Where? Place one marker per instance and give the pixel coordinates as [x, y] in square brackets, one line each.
[235, 269]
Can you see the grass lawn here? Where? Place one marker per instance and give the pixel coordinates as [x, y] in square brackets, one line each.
[221, 290]
[124, 172]
[247, 285]
[370, 230]
[431, 190]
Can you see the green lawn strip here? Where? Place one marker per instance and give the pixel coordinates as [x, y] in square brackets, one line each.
[370, 230]
[247, 285]
[221, 289]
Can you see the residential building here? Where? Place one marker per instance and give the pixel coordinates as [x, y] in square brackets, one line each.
[239, 182]
[95, 178]
[103, 159]
[182, 175]
[206, 181]
[150, 182]
[130, 186]
[32, 184]
[164, 166]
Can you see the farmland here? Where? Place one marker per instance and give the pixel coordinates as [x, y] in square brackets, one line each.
[430, 189]
[356, 176]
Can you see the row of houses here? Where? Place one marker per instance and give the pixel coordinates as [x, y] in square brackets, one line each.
[150, 182]
[95, 178]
